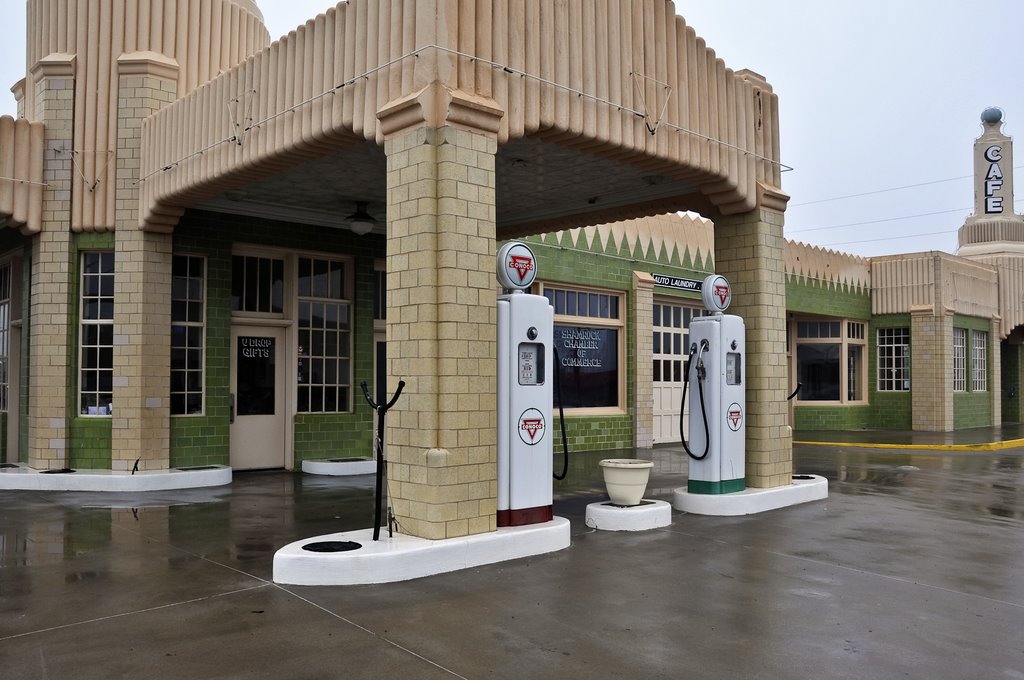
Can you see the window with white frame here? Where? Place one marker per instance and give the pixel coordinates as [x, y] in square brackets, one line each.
[824, 347]
[979, 361]
[588, 334]
[959, 359]
[856, 375]
[96, 334]
[893, 359]
[325, 335]
[188, 330]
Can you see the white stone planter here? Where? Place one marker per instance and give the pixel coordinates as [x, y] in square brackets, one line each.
[626, 479]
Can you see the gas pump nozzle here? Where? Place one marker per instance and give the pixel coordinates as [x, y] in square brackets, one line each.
[701, 375]
[702, 372]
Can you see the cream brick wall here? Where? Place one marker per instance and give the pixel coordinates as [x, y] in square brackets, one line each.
[931, 372]
[749, 253]
[49, 371]
[441, 331]
[643, 329]
[140, 425]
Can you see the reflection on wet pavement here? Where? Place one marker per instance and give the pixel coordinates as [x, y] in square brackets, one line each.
[912, 567]
[972, 486]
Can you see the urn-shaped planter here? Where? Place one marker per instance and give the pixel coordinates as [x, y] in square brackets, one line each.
[626, 479]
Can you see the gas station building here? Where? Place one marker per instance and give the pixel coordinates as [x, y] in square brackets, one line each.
[212, 240]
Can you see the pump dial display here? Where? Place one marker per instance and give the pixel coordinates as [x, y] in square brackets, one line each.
[531, 363]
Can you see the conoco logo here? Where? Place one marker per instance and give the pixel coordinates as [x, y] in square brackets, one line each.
[722, 292]
[521, 264]
[734, 416]
[531, 426]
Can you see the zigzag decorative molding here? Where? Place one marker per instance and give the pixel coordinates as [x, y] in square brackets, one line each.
[667, 238]
[814, 265]
[680, 238]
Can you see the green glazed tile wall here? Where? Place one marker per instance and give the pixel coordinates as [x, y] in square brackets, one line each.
[974, 409]
[26, 351]
[14, 245]
[1011, 379]
[808, 296]
[831, 418]
[609, 267]
[88, 439]
[889, 410]
[204, 440]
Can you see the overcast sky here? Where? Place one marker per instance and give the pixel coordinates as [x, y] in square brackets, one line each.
[874, 96]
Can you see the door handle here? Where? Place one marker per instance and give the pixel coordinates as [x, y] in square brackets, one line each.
[231, 408]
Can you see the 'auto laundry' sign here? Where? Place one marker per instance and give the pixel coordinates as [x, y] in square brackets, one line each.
[676, 282]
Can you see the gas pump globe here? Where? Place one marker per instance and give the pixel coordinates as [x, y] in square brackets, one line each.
[715, 374]
[525, 376]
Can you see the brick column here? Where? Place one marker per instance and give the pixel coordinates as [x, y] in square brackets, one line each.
[643, 328]
[140, 425]
[749, 252]
[931, 368]
[50, 378]
[441, 330]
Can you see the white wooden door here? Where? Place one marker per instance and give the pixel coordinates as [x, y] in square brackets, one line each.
[258, 419]
[671, 332]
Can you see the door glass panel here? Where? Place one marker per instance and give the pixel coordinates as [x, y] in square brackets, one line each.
[255, 376]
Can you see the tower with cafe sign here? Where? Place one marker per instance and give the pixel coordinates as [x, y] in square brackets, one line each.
[993, 227]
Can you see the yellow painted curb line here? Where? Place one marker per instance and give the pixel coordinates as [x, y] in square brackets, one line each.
[991, 446]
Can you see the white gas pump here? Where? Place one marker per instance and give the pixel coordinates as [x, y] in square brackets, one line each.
[714, 376]
[525, 375]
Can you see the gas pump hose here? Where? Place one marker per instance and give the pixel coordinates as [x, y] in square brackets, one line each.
[703, 410]
[561, 418]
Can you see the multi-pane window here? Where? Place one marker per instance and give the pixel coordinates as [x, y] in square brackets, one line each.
[893, 359]
[671, 325]
[187, 333]
[979, 361]
[325, 337]
[96, 334]
[257, 284]
[5, 333]
[959, 359]
[588, 328]
[823, 348]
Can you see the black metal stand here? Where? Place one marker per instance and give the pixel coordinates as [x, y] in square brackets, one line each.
[381, 410]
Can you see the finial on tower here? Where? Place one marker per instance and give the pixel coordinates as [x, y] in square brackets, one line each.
[993, 115]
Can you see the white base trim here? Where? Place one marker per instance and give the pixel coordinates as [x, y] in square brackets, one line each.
[751, 501]
[24, 478]
[606, 517]
[401, 558]
[336, 468]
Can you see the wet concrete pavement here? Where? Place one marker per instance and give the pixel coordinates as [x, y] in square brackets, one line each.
[1010, 435]
[913, 567]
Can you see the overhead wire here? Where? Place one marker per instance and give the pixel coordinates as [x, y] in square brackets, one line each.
[889, 219]
[886, 190]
